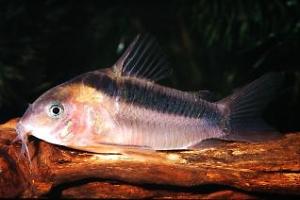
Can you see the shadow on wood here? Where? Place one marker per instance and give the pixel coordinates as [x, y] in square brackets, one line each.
[231, 170]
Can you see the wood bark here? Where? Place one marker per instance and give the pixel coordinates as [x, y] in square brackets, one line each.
[230, 170]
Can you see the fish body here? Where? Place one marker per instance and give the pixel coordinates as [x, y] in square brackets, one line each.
[124, 106]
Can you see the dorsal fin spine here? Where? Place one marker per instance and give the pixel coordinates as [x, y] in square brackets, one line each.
[142, 59]
[155, 57]
[147, 58]
[135, 53]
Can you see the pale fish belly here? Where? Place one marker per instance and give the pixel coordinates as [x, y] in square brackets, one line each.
[160, 131]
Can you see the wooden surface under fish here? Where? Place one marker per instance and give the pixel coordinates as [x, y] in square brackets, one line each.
[231, 170]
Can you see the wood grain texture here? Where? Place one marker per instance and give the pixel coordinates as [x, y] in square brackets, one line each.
[230, 171]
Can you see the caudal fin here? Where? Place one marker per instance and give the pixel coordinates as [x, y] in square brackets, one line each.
[242, 110]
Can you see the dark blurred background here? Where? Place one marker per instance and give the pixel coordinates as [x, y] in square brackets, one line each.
[211, 44]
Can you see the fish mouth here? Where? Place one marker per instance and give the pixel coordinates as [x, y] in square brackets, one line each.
[21, 131]
[22, 135]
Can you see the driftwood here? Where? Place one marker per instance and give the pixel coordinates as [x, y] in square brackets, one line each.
[231, 170]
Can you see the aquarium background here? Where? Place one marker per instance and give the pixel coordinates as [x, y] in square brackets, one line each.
[211, 44]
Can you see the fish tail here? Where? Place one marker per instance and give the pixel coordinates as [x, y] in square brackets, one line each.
[242, 110]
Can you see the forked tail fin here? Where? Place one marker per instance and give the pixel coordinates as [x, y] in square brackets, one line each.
[242, 110]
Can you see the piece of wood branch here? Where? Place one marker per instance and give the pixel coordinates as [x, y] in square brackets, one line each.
[117, 190]
[235, 170]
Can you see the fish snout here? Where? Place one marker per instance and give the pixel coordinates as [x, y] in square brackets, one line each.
[21, 130]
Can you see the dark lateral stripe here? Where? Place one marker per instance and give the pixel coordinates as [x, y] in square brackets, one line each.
[146, 96]
[99, 81]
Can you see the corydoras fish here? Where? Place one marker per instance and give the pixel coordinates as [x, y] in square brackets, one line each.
[123, 106]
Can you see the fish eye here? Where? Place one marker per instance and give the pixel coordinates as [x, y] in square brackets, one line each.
[55, 110]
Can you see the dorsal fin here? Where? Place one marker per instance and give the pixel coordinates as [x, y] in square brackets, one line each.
[143, 59]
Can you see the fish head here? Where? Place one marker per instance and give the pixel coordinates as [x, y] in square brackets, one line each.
[72, 114]
[48, 118]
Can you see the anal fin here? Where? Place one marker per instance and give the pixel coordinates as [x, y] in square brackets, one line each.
[209, 143]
